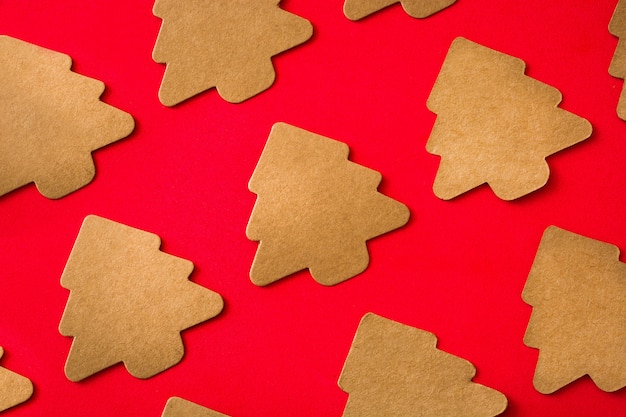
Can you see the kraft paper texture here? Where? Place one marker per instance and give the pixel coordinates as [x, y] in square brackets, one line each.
[52, 119]
[178, 407]
[14, 389]
[577, 288]
[395, 370]
[128, 301]
[495, 125]
[224, 44]
[617, 68]
[358, 9]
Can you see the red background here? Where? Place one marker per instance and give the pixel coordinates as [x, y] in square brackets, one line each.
[457, 269]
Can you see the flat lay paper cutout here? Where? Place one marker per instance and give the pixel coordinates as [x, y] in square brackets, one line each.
[52, 119]
[495, 125]
[617, 27]
[178, 407]
[14, 389]
[128, 301]
[577, 288]
[396, 370]
[224, 44]
[358, 9]
[315, 209]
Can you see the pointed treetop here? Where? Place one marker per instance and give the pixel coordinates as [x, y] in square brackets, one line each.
[14, 389]
[128, 301]
[52, 120]
[315, 209]
[577, 288]
[224, 44]
[178, 407]
[396, 370]
[358, 9]
[495, 125]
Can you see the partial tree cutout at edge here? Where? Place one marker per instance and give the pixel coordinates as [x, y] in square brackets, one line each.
[396, 370]
[222, 44]
[358, 9]
[14, 389]
[179, 407]
[577, 288]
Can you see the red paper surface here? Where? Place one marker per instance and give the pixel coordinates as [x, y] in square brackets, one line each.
[457, 269]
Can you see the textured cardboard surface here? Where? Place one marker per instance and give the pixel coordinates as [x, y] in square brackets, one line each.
[52, 120]
[14, 389]
[224, 44]
[396, 370]
[577, 287]
[617, 27]
[178, 407]
[315, 209]
[358, 9]
[129, 301]
[495, 125]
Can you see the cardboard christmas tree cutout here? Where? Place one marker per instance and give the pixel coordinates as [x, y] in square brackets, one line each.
[618, 65]
[495, 125]
[358, 9]
[577, 288]
[14, 388]
[128, 302]
[224, 44]
[178, 407]
[52, 119]
[395, 370]
[315, 209]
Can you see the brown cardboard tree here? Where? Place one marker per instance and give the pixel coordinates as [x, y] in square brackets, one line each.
[358, 9]
[577, 288]
[395, 370]
[52, 120]
[618, 65]
[14, 389]
[495, 125]
[129, 301]
[178, 407]
[224, 44]
[315, 209]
